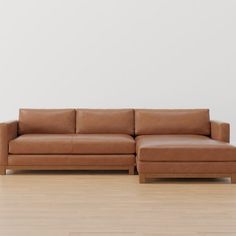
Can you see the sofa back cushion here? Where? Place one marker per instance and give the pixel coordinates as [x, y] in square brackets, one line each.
[47, 121]
[164, 121]
[105, 121]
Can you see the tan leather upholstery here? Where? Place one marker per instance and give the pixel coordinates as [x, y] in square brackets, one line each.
[72, 144]
[105, 121]
[183, 148]
[186, 167]
[50, 121]
[161, 121]
[103, 144]
[220, 131]
[45, 160]
[41, 144]
[168, 142]
[8, 131]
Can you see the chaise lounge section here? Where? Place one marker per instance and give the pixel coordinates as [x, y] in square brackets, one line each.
[182, 143]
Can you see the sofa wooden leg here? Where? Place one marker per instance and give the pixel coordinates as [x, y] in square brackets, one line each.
[2, 171]
[131, 170]
[233, 179]
[142, 179]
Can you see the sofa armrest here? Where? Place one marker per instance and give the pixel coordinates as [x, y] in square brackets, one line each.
[8, 131]
[220, 131]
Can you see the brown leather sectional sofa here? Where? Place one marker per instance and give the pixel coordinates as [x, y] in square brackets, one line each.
[161, 143]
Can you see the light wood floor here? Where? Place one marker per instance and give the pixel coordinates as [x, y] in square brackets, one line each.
[45, 203]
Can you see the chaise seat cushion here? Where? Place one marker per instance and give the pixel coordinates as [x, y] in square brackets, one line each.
[72, 144]
[182, 148]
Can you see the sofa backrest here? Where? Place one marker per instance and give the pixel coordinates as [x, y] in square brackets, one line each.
[105, 121]
[114, 121]
[172, 121]
[53, 121]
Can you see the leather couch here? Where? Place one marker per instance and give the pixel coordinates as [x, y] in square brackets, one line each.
[161, 143]
[68, 139]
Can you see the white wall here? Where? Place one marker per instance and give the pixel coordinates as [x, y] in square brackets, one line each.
[124, 53]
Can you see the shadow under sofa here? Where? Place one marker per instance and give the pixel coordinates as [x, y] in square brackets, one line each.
[162, 143]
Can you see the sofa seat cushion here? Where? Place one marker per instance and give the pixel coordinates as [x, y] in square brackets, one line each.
[41, 144]
[182, 148]
[103, 144]
[72, 144]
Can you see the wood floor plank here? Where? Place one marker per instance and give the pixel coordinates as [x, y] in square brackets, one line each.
[71, 203]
